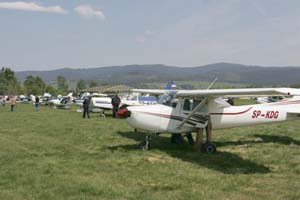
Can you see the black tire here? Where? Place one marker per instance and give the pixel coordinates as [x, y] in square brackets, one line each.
[209, 148]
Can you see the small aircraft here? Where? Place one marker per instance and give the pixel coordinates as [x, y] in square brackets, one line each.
[185, 111]
[62, 102]
[79, 100]
[100, 101]
[103, 101]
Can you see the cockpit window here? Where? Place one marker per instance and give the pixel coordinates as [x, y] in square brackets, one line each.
[191, 104]
[165, 99]
[168, 100]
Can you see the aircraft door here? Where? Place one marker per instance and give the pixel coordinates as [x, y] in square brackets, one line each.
[199, 118]
[169, 115]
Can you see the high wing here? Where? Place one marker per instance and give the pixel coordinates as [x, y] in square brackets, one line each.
[225, 92]
[239, 92]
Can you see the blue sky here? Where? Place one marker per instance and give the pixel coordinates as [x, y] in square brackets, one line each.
[39, 34]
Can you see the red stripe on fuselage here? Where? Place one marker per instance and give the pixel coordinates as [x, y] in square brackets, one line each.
[168, 116]
[237, 113]
[157, 114]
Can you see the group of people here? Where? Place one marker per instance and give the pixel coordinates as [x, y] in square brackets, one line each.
[13, 103]
[115, 101]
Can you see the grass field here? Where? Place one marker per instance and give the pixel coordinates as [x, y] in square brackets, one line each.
[55, 154]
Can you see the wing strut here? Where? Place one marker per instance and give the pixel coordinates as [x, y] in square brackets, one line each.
[203, 102]
[200, 105]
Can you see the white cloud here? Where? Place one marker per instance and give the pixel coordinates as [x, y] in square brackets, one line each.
[31, 6]
[89, 12]
[230, 32]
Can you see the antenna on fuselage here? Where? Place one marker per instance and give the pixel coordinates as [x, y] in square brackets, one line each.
[212, 83]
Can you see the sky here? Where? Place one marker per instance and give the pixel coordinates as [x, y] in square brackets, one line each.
[45, 35]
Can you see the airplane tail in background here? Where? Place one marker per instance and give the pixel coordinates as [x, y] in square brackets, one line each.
[171, 86]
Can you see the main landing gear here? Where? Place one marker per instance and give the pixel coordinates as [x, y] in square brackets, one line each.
[207, 146]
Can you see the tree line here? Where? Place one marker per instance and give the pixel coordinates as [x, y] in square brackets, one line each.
[35, 85]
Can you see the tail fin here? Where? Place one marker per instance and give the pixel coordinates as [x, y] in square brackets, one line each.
[171, 85]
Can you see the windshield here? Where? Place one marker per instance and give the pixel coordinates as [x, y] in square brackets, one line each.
[167, 100]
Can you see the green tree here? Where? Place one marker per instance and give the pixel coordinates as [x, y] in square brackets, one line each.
[50, 89]
[8, 82]
[93, 83]
[34, 85]
[62, 85]
[80, 85]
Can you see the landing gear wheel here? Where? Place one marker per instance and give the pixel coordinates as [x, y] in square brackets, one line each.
[209, 148]
[144, 145]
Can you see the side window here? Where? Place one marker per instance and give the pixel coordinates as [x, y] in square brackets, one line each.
[196, 103]
[186, 105]
[174, 104]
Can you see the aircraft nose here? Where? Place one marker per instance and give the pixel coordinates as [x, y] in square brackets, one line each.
[124, 113]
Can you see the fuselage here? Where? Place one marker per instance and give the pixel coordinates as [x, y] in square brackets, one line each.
[162, 118]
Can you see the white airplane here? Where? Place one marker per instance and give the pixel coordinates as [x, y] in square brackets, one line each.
[184, 111]
[100, 101]
[79, 100]
[62, 102]
[103, 101]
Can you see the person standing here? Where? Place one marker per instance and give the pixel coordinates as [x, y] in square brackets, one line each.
[86, 107]
[13, 104]
[2, 100]
[115, 101]
[36, 103]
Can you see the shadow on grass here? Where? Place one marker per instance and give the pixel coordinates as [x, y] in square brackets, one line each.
[224, 162]
[264, 139]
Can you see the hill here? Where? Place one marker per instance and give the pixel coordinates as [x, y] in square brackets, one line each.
[135, 74]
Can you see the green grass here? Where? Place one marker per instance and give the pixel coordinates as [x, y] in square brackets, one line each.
[55, 154]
